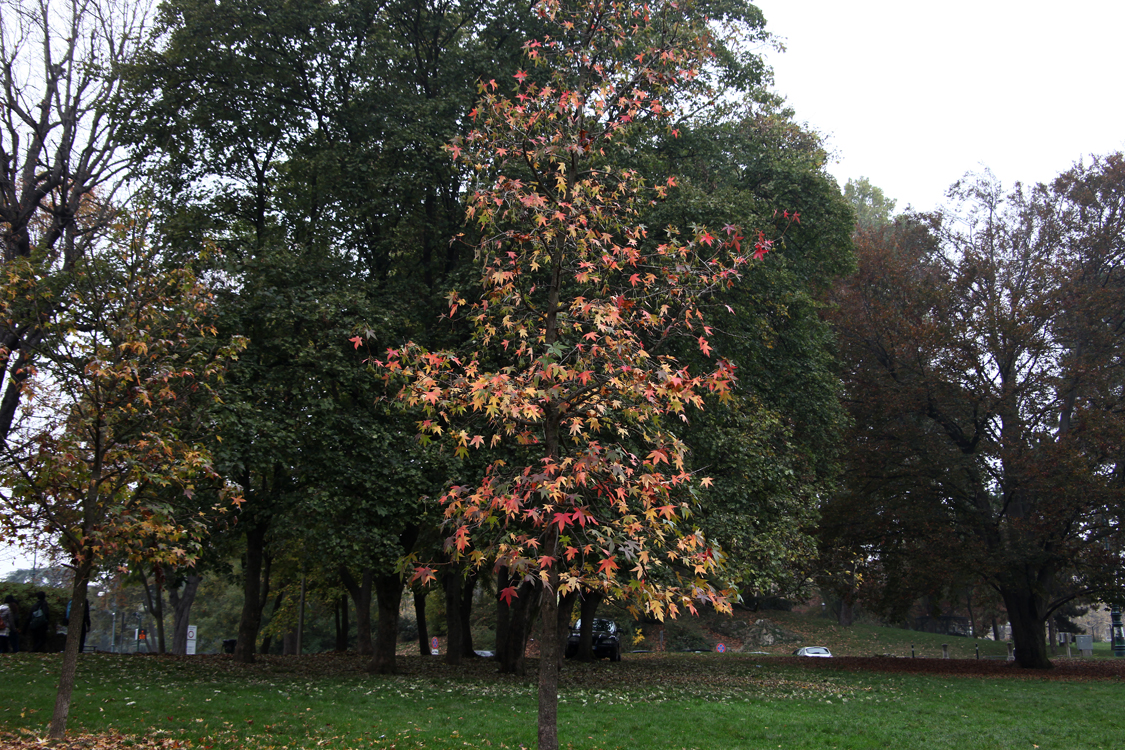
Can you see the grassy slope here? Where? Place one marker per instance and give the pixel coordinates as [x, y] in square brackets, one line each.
[708, 630]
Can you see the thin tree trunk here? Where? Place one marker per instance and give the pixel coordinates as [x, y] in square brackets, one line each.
[420, 619]
[342, 624]
[361, 595]
[154, 603]
[301, 619]
[267, 639]
[158, 616]
[181, 612]
[549, 656]
[69, 670]
[388, 597]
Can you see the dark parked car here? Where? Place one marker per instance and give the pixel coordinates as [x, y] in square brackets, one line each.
[607, 640]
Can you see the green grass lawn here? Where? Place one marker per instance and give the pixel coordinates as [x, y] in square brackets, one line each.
[654, 701]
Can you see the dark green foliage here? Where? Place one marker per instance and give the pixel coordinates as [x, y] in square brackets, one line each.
[306, 139]
[774, 451]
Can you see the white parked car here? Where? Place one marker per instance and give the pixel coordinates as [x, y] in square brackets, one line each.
[813, 651]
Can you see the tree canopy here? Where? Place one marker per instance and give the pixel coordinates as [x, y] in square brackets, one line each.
[982, 348]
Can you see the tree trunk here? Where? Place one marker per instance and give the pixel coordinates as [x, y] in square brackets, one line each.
[252, 592]
[1052, 636]
[301, 619]
[154, 604]
[511, 651]
[69, 670]
[566, 607]
[267, 640]
[158, 618]
[586, 630]
[420, 619]
[388, 597]
[503, 615]
[467, 648]
[181, 612]
[289, 643]
[549, 659]
[845, 617]
[1025, 615]
[361, 596]
[342, 624]
[453, 652]
[995, 630]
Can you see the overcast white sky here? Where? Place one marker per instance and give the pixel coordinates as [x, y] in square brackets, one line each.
[914, 94]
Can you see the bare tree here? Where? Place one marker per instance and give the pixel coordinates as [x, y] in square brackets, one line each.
[61, 164]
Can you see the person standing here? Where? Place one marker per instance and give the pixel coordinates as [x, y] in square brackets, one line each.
[38, 622]
[5, 627]
[85, 626]
[14, 624]
[85, 623]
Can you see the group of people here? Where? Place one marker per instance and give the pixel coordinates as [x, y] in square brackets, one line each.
[13, 624]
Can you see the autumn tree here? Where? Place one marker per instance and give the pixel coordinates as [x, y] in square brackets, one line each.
[983, 349]
[572, 327]
[102, 457]
[61, 161]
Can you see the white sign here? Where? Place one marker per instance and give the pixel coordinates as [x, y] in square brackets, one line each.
[191, 639]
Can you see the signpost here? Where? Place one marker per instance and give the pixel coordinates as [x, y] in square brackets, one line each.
[434, 646]
[191, 639]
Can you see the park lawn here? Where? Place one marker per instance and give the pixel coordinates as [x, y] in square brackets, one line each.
[653, 701]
